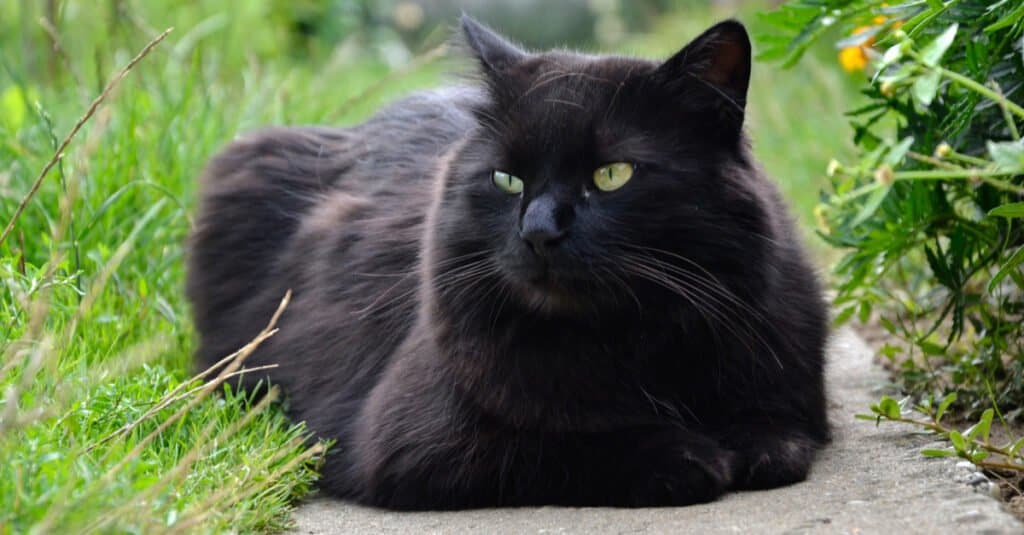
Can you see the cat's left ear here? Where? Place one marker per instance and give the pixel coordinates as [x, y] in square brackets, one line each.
[495, 53]
[719, 58]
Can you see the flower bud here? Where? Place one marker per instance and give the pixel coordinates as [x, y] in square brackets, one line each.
[884, 175]
[888, 89]
[943, 150]
[821, 217]
[834, 167]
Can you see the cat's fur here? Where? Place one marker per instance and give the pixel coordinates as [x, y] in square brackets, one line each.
[662, 345]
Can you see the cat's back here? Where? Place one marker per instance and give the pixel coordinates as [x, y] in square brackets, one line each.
[316, 210]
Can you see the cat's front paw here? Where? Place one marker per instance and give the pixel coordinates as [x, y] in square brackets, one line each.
[772, 455]
[682, 477]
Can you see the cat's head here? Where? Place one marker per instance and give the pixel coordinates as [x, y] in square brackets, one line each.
[597, 181]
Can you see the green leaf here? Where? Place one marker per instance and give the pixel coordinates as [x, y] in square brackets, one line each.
[892, 55]
[931, 348]
[890, 351]
[844, 315]
[984, 425]
[978, 456]
[1009, 268]
[925, 88]
[898, 151]
[871, 205]
[938, 453]
[1008, 155]
[933, 51]
[1016, 447]
[868, 417]
[1010, 210]
[959, 443]
[901, 73]
[1009, 20]
[946, 402]
[864, 313]
[889, 408]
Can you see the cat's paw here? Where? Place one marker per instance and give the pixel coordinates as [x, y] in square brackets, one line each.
[683, 477]
[773, 461]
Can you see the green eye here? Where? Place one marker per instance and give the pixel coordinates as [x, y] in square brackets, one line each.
[613, 176]
[507, 183]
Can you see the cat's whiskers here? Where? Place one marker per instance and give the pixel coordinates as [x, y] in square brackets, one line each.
[504, 294]
[465, 277]
[711, 315]
[377, 306]
[417, 270]
[711, 295]
[711, 282]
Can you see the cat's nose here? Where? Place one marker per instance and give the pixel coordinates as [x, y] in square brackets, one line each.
[545, 223]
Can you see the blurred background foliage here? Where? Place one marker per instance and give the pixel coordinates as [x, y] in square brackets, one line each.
[95, 329]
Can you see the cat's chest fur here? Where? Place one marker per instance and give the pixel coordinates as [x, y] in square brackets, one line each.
[561, 375]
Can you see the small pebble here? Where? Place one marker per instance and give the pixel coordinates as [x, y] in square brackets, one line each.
[976, 479]
[967, 465]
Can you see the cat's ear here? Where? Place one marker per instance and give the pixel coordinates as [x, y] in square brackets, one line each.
[495, 53]
[719, 58]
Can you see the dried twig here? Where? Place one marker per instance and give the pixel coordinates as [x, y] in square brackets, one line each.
[239, 358]
[59, 153]
[171, 399]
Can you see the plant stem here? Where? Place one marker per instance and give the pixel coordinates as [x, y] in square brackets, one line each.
[989, 465]
[985, 175]
[1010, 123]
[968, 159]
[934, 161]
[942, 174]
[972, 85]
[940, 429]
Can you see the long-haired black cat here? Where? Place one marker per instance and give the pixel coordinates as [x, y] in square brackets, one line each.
[571, 284]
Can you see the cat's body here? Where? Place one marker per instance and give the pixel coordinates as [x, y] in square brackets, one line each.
[466, 347]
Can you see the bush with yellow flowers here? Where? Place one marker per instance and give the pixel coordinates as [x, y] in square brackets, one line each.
[930, 217]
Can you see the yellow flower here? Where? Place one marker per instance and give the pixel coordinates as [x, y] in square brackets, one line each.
[855, 58]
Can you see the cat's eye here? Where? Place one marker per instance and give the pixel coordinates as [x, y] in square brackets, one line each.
[507, 183]
[613, 176]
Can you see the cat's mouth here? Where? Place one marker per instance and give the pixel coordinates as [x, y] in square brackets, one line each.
[548, 298]
[548, 290]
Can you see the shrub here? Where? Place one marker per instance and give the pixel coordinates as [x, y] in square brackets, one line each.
[929, 218]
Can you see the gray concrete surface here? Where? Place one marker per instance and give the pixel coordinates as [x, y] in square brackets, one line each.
[870, 480]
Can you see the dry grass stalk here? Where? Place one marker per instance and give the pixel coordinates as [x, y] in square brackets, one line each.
[142, 501]
[239, 358]
[59, 153]
[215, 504]
[171, 398]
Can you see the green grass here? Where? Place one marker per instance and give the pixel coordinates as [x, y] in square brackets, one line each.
[94, 328]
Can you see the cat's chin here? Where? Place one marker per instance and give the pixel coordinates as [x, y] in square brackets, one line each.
[548, 301]
[545, 296]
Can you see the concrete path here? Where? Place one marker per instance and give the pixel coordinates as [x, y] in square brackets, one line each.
[870, 480]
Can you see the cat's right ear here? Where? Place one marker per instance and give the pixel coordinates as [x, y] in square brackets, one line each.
[712, 73]
[495, 53]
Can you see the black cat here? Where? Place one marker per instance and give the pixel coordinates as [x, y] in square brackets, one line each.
[569, 285]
